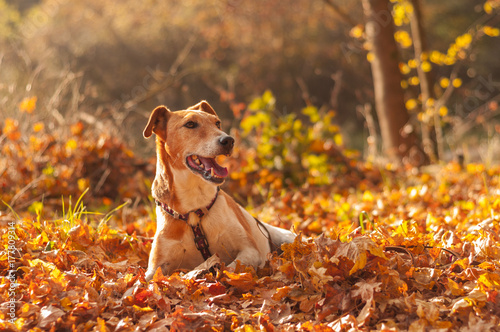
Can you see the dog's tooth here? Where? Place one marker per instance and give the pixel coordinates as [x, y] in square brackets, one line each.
[202, 166]
[212, 172]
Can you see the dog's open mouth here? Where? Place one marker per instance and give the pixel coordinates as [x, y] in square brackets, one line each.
[208, 168]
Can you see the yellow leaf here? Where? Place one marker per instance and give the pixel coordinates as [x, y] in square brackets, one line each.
[66, 304]
[426, 66]
[404, 68]
[487, 266]
[414, 80]
[443, 111]
[83, 184]
[436, 57]
[45, 265]
[56, 274]
[315, 227]
[130, 277]
[412, 63]
[488, 8]
[457, 82]
[39, 126]
[489, 280]
[141, 309]
[356, 252]
[411, 104]
[370, 57]
[455, 288]
[475, 168]
[28, 105]
[444, 82]
[359, 263]
[71, 145]
[490, 31]
[464, 40]
[20, 323]
[368, 196]
[357, 31]
[338, 140]
[449, 60]
[246, 328]
[403, 38]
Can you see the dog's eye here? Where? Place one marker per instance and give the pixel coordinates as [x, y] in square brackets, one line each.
[218, 124]
[191, 125]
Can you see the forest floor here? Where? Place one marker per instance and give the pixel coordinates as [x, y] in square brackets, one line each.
[385, 250]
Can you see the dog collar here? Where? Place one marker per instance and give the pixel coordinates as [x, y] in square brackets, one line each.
[200, 240]
[185, 217]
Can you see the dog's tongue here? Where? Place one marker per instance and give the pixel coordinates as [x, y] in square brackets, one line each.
[211, 163]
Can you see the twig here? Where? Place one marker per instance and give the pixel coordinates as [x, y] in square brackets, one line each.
[334, 96]
[102, 180]
[69, 77]
[26, 188]
[402, 250]
[457, 256]
[372, 140]
[469, 122]
[343, 15]
[305, 93]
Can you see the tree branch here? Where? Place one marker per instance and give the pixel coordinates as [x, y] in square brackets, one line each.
[341, 14]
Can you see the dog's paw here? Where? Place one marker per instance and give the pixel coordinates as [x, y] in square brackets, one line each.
[211, 265]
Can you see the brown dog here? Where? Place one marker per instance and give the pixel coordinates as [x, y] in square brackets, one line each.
[194, 218]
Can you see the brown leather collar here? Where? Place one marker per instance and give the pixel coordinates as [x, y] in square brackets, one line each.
[200, 240]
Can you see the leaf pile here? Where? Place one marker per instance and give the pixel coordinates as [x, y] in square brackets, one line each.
[42, 165]
[394, 251]
[426, 257]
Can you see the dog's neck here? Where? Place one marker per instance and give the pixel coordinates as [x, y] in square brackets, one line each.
[178, 187]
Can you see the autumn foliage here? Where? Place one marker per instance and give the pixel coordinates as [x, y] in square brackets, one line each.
[381, 246]
[392, 250]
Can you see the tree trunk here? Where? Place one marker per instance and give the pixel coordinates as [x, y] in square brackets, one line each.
[398, 138]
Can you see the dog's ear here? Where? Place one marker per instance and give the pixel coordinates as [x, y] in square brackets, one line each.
[203, 106]
[157, 123]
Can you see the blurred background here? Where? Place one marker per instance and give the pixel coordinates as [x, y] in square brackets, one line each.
[297, 78]
[107, 60]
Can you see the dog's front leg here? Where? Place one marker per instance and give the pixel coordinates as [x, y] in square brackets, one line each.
[165, 253]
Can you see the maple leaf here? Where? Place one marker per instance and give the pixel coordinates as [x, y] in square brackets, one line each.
[357, 252]
[366, 289]
[319, 276]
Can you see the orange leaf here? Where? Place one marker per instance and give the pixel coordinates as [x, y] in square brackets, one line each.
[28, 105]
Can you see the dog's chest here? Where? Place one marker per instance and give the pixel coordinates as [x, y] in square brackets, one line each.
[221, 240]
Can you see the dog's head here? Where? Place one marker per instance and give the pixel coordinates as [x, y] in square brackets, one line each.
[192, 139]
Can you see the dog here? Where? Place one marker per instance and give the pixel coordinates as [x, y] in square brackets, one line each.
[195, 219]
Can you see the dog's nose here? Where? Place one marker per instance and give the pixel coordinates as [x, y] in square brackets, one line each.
[227, 141]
